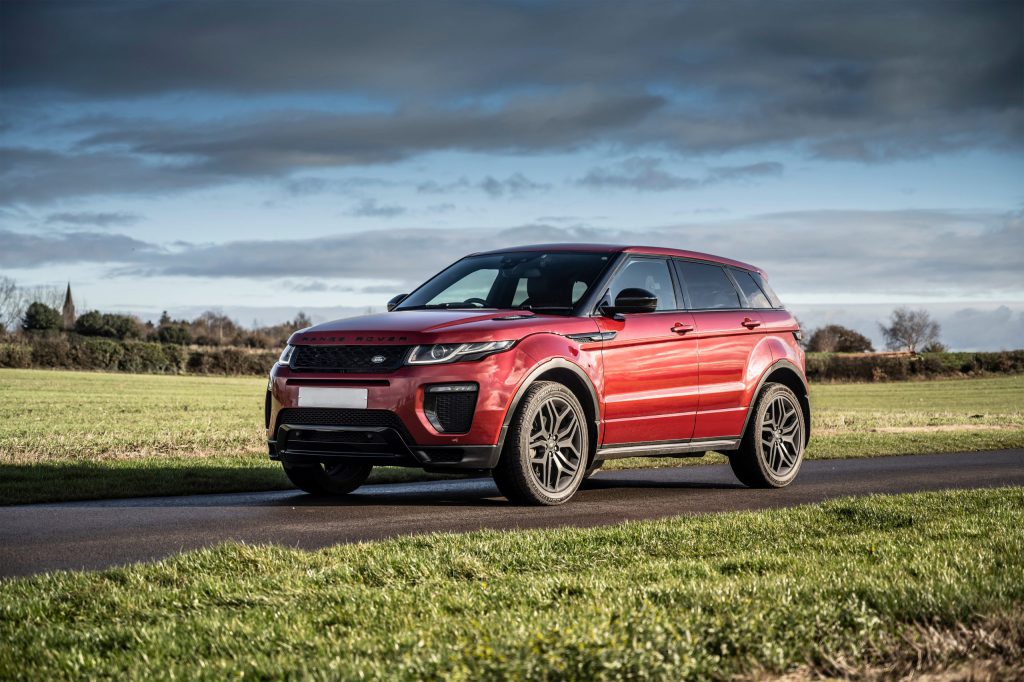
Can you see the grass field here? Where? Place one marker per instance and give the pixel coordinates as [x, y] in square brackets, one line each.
[891, 585]
[79, 435]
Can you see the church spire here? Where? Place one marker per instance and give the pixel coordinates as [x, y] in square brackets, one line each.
[69, 309]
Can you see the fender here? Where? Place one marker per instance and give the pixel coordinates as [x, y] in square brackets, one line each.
[546, 366]
[805, 398]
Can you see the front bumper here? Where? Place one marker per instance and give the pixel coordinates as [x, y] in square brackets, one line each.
[394, 429]
[299, 444]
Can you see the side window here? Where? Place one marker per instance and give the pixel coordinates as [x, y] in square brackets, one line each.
[647, 273]
[755, 297]
[766, 288]
[521, 293]
[708, 285]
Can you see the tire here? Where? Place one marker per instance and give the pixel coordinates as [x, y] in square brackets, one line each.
[327, 479]
[546, 450]
[772, 449]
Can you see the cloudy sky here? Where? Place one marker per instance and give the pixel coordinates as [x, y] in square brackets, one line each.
[261, 157]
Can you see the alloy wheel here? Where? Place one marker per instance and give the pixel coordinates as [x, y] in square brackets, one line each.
[781, 436]
[556, 445]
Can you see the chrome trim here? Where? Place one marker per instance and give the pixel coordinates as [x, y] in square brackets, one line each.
[656, 448]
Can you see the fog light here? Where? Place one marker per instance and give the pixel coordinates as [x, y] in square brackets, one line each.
[451, 388]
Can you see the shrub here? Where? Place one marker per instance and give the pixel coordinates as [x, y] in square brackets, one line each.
[51, 351]
[834, 338]
[40, 317]
[15, 355]
[146, 357]
[174, 333]
[92, 353]
[110, 325]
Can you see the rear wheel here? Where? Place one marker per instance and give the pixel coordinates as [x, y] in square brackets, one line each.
[772, 449]
[546, 450]
[327, 479]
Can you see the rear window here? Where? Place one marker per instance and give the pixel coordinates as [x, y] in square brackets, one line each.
[766, 288]
[708, 285]
[750, 288]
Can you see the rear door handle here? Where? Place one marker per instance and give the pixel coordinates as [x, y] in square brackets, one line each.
[749, 323]
[680, 328]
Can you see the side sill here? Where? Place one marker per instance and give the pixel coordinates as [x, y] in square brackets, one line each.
[666, 448]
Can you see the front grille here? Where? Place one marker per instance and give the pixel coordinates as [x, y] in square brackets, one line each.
[451, 412]
[348, 359]
[331, 416]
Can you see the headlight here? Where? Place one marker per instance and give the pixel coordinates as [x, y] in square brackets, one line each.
[453, 352]
[286, 355]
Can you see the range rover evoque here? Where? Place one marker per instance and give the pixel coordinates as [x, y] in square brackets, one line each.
[538, 363]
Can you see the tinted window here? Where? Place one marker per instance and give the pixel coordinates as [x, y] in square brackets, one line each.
[769, 292]
[552, 282]
[708, 286]
[755, 297]
[649, 274]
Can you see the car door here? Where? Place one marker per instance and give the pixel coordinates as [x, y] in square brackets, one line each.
[650, 364]
[726, 334]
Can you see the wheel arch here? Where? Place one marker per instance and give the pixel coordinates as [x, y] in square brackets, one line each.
[573, 377]
[786, 373]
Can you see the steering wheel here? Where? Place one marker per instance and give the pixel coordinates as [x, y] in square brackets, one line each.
[476, 301]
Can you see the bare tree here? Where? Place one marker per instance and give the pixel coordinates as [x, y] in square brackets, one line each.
[910, 330]
[47, 294]
[11, 304]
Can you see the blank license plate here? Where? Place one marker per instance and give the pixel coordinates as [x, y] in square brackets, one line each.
[316, 396]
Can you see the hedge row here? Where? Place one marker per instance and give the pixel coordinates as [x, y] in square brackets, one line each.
[892, 367]
[88, 353]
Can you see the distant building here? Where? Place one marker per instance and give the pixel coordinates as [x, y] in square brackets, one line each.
[69, 309]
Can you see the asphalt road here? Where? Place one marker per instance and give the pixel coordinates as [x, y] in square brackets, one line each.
[88, 535]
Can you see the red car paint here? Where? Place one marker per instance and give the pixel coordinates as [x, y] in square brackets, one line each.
[661, 379]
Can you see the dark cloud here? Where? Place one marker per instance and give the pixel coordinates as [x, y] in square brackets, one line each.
[22, 250]
[647, 174]
[95, 219]
[514, 185]
[869, 81]
[371, 208]
[281, 143]
[37, 176]
[640, 173]
[754, 170]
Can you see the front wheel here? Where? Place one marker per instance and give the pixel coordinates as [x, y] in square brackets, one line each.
[772, 449]
[546, 450]
[327, 479]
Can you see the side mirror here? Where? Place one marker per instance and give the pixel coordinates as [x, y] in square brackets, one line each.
[395, 301]
[633, 300]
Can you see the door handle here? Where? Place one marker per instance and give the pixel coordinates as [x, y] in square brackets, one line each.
[680, 328]
[749, 323]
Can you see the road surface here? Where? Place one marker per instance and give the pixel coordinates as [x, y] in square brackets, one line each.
[76, 535]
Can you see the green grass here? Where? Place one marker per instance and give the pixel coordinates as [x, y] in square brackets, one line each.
[880, 583]
[81, 435]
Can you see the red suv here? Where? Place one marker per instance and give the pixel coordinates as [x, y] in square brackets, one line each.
[538, 363]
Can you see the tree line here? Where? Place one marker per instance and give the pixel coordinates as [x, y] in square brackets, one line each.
[36, 312]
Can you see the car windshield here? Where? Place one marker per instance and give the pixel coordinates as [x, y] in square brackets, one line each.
[550, 282]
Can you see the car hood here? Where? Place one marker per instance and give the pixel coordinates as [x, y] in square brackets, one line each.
[436, 326]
